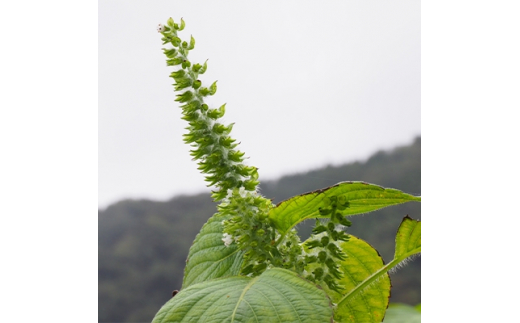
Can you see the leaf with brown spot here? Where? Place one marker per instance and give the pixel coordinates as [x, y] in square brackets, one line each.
[362, 198]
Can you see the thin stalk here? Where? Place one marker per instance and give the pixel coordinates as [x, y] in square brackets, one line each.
[372, 278]
[280, 239]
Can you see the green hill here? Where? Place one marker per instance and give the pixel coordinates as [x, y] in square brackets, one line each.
[143, 244]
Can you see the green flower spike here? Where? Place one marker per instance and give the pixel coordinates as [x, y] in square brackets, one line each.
[245, 211]
[324, 245]
[214, 149]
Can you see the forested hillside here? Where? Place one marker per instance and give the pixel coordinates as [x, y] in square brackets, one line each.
[143, 244]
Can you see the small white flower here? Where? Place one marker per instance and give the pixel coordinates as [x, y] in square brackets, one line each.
[229, 193]
[228, 239]
[160, 28]
[242, 192]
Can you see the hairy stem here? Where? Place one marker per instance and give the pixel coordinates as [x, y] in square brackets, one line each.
[375, 276]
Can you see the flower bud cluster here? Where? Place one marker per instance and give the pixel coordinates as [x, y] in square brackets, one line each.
[291, 252]
[248, 225]
[324, 250]
[212, 146]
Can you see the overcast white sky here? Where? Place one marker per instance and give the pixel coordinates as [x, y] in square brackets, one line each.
[307, 84]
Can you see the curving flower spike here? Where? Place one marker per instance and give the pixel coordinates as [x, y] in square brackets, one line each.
[215, 150]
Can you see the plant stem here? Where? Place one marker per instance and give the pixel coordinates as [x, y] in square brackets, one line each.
[372, 278]
[280, 239]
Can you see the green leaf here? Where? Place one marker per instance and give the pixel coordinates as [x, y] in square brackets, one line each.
[217, 113]
[174, 61]
[204, 67]
[362, 198]
[192, 43]
[170, 53]
[370, 304]
[403, 313]
[408, 238]
[408, 243]
[184, 97]
[277, 295]
[209, 258]
[213, 88]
